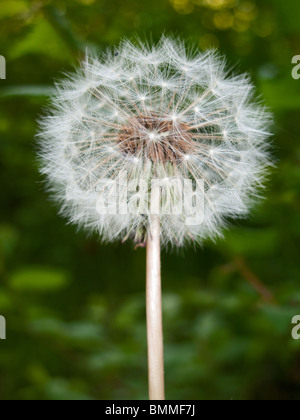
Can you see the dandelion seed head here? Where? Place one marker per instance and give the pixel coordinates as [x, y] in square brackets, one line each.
[155, 112]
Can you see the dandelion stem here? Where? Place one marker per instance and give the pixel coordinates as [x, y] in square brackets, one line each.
[154, 313]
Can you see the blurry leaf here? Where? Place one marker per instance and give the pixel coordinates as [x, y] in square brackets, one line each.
[129, 313]
[288, 10]
[251, 241]
[171, 306]
[26, 90]
[178, 352]
[5, 301]
[97, 308]
[231, 302]
[37, 374]
[10, 8]
[8, 239]
[233, 349]
[61, 389]
[48, 326]
[37, 311]
[79, 333]
[201, 299]
[109, 359]
[42, 39]
[63, 28]
[83, 331]
[280, 317]
[39, 280]
[281, 94]
[207, 325]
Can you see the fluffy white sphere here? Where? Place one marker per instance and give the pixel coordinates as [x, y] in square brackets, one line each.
[139, 114]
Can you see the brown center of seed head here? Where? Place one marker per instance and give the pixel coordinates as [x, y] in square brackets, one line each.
[156, 138]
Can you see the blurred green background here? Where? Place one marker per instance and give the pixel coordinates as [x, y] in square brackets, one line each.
[75, 308]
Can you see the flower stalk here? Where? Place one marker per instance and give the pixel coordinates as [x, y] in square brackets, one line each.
[154, 313]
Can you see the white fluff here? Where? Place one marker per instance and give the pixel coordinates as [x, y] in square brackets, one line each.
[196, 106]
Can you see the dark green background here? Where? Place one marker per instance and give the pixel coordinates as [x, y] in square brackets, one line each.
[75, 308]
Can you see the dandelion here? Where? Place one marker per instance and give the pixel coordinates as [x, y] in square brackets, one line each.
[139, 141]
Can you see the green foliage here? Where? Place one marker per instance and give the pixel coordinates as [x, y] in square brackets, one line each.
[42, 39]
[38, 280]
[75, 308]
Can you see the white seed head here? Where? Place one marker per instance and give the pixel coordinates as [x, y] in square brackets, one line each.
[154, 113]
